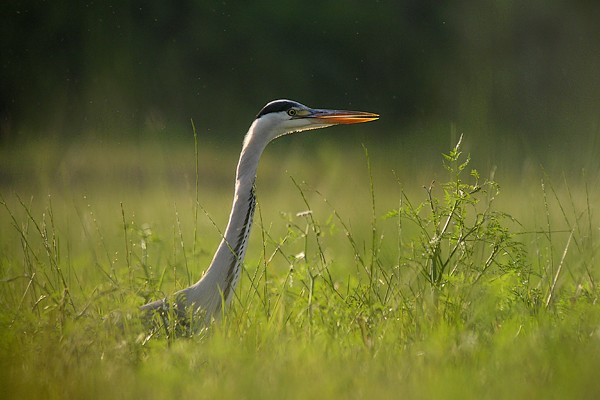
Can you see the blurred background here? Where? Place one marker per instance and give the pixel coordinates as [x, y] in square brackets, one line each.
[520, 79]
[97, 98]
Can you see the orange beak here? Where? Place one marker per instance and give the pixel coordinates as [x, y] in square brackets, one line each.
[342, 116]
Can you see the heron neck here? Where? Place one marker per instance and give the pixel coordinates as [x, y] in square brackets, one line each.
[242, 209]
[226, 264]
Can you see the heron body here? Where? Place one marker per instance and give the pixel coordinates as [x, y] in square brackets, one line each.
[214, 290]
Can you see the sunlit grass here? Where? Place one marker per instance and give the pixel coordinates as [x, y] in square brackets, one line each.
[367, 281]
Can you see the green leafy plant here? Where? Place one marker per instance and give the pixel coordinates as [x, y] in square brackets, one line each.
[460, 238]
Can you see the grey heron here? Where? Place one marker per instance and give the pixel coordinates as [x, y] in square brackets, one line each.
[207, 297]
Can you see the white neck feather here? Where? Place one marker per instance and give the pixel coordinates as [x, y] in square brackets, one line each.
[224, 271]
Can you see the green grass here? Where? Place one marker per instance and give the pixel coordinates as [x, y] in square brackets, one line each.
[442, 284]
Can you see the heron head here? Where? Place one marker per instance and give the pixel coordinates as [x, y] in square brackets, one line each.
[282, 117]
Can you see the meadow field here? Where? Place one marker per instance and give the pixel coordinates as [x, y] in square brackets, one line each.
[373, 271]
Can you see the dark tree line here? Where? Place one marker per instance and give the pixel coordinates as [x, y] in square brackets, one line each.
[70, 67]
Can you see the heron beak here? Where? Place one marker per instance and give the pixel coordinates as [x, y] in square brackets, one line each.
[342, 116]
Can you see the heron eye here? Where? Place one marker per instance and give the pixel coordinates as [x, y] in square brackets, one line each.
[291, 112]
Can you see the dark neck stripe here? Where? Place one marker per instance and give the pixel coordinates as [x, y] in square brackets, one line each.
[239, 250]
